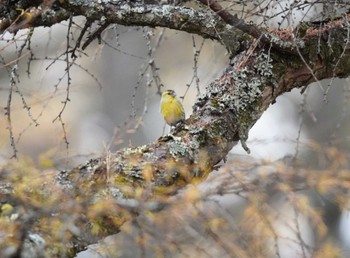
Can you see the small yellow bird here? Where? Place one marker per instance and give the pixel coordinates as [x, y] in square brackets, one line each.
[6, 210]
[171, 108]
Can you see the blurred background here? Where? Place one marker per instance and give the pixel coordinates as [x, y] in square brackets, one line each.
[114, 99]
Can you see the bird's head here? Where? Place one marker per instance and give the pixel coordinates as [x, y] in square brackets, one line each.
[169, 93]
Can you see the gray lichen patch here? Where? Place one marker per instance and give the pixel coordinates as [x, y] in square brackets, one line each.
[240, 92]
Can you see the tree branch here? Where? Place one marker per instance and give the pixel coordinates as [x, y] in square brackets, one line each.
[251, 29]
[134, 14]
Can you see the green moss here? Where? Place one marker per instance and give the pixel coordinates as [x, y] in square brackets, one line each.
[214, 103]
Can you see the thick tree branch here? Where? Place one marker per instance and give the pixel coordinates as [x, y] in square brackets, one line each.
[220, 25]
[133, 14]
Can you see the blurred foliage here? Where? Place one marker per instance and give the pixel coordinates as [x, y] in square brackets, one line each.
[246, 208]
